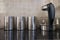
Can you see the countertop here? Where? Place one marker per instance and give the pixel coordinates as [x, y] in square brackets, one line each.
[40, 35]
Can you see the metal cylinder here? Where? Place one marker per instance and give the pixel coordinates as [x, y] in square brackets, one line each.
[57, 21]
[20, 28]
[21, 24]
[8, 28]
[32, 28]
[26, 30]
[29, 28]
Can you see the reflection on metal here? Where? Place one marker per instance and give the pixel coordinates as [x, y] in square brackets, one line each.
[44, 33]
[6, 23]
[54, 27]
[57, 21]
[29, 23]
[33, 23]
[18, 22]
[10, 23]
[6, 35]
[22, 23]
[57, 35]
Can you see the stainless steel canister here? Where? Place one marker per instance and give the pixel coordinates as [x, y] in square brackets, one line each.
[20, 28]
[32, 27]
[8, 28]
